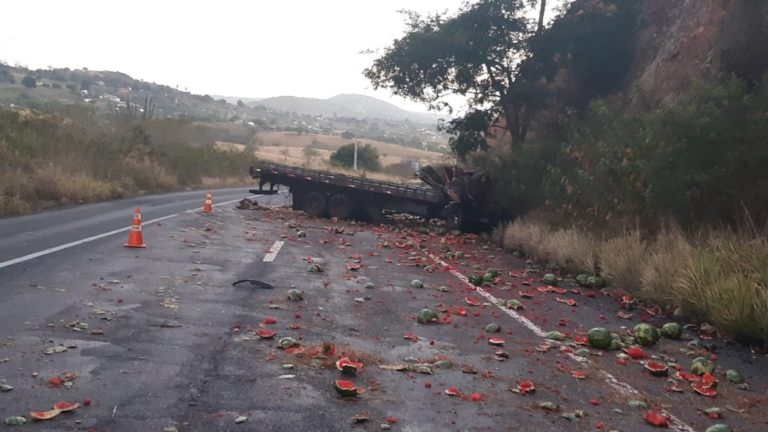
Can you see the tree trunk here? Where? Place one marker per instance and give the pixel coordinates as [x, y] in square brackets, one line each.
[542, 10]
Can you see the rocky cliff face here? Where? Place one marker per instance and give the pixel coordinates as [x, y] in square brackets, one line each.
[680, 41]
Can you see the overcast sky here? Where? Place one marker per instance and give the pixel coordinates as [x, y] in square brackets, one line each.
[256, 48]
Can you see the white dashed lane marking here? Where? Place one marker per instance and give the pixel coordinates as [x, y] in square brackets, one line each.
[273, 251]
[71, 244]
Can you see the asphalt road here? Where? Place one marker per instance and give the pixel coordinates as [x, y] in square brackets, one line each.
[24, 235]
[171, 344]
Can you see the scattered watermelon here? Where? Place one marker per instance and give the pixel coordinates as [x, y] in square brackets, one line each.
[44, 415]
[616, 342]
[452, 391]
[496, 341]
[555, 335]
[15, 421]
[703, 389]
[287, 342]
[671, 331]
[493, 328]
[657, 419]
[346, 388]
[526, 387]
[599, 338]
[476, 280]
[657, 368]
[64, 406]
[718, 428]
[426, 316]
[472, 301]
[733, 376]
[701, 366]
[348, 367]
[580, 340]
[582, 279]
[417, 284]
[595, 282]
[549, 279]
[266, 334]
[646, 334]
[295, 295]
[635, 353]
[514, 304]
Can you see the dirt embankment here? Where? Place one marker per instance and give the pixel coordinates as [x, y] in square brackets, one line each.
[687, 40]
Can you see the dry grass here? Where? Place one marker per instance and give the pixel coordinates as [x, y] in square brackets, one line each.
[622, 259]
[727, 283]
[320, 158]
[55, 184]
[289, 148]
[668, 255]
[568, 248]
[718, 276]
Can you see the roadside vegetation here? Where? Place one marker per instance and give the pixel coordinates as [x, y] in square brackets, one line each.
[73, 155]
[667, 201]
[367, 157]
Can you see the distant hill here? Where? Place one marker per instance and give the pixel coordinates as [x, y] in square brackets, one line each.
[116, 92]
[345, 105]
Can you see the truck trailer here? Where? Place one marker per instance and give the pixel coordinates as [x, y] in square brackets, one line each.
[449, 193]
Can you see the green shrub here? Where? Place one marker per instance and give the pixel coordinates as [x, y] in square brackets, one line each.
[367, 157]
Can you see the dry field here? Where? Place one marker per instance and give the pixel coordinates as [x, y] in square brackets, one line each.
[289, 148]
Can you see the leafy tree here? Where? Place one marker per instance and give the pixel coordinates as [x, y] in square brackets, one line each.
[86, 84]
[347, 134]
[240, 104]
[29, 81]
[6, 76]
[476, 53]
[367, 157]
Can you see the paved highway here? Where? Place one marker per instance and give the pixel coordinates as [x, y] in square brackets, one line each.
[159, 339]
[22, 236]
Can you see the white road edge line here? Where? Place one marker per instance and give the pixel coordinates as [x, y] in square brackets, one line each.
[273, 251]
[96, 237]
[621, 387]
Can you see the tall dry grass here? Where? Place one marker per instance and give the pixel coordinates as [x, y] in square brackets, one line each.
[622, 259]
[76, 156]
[715, 276]
[569, 248]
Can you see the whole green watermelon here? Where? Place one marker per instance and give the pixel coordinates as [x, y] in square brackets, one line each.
[672, 331]
[599, 338]
[646, 334]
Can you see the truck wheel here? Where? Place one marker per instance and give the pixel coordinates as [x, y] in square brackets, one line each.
[340, 206]
[453, 217]
[314, 204]
[374, 215]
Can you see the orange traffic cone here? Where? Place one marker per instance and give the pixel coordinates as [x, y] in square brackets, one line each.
[208, 205]
[135, 240]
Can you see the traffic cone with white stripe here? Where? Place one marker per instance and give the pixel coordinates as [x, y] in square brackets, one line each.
[208, 205]
[135, 239]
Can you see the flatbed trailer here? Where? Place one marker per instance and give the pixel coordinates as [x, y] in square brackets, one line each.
[330, 194]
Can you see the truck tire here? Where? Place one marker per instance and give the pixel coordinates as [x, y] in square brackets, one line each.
[313, 204]
[340, 206]
[374, 215]
[453, 218]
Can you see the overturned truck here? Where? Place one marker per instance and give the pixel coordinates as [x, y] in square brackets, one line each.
[450, 193]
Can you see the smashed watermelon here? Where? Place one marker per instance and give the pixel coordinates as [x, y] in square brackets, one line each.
[346, 388]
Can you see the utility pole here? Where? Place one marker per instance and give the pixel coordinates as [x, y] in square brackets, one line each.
[354, 161]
